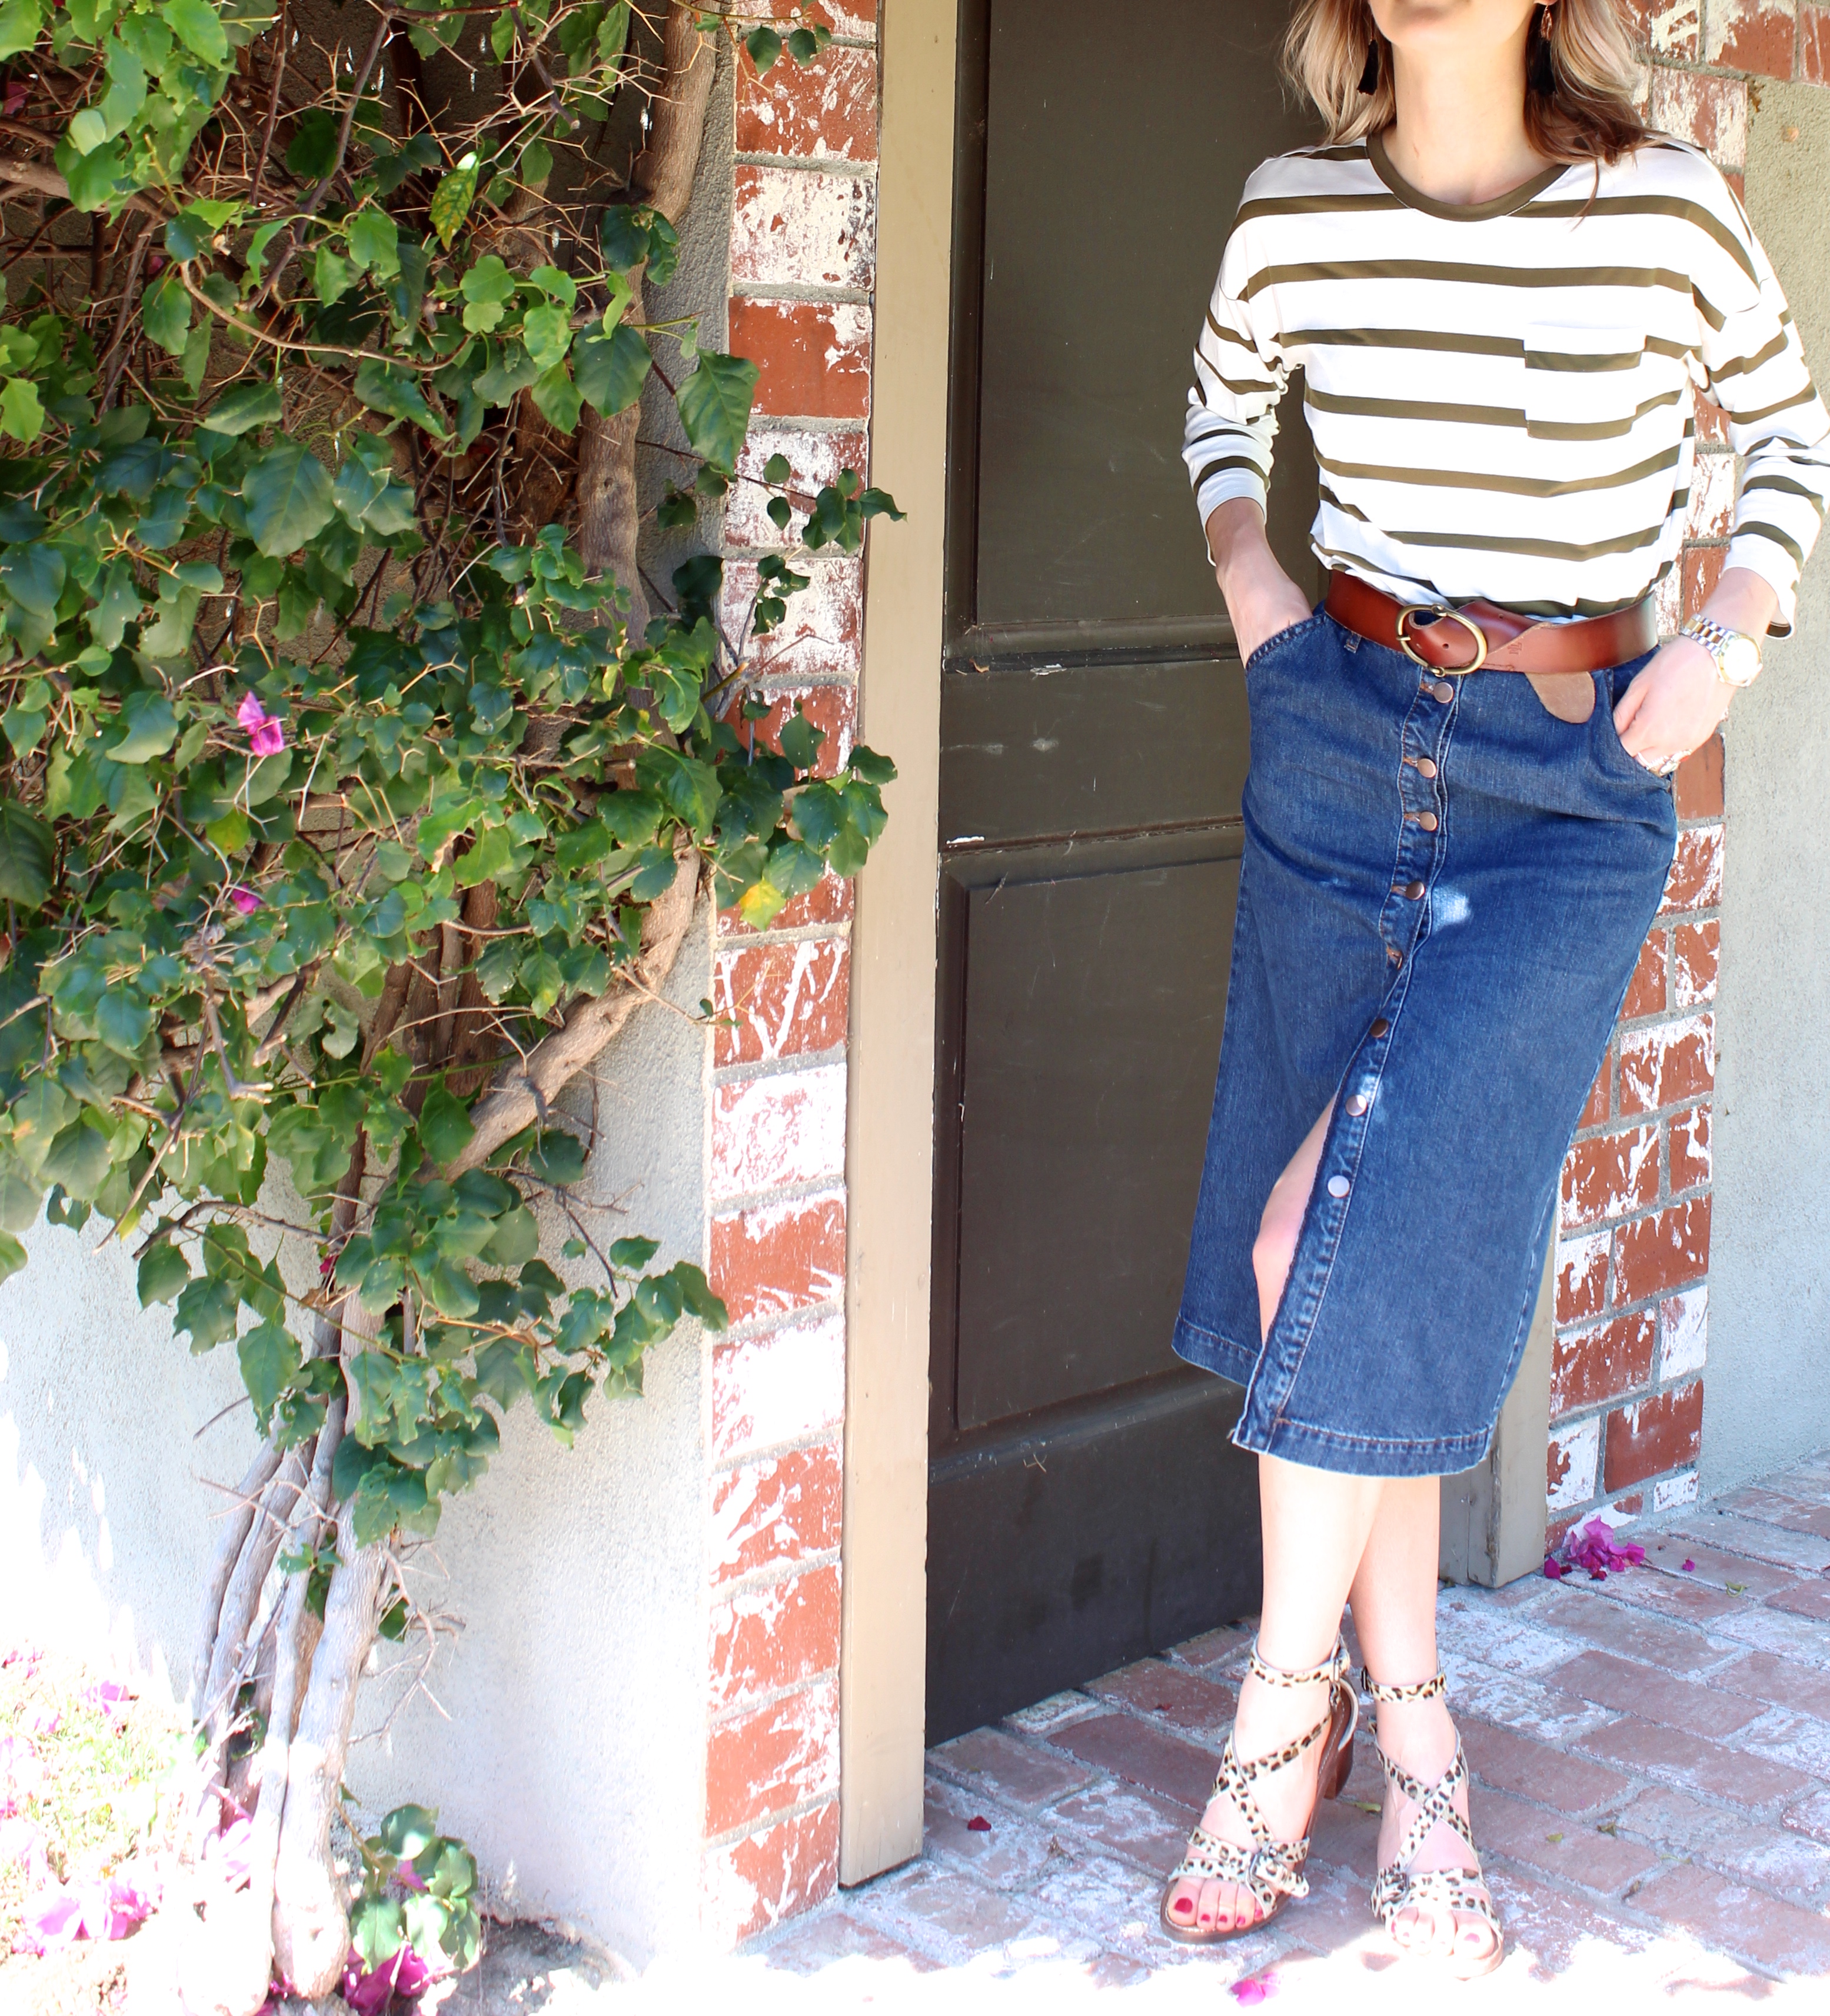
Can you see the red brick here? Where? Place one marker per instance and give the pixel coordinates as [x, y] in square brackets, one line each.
[1814, 44]
[779, 1257]
[1571, 1461]
[1660, 1066]
[1690, 1148]
[1582, 1277]
[1700, 781]
[1528, 1769]
[1762, 1928]
[1709, 112]
[776, 1636]
[1651, 1695]
[843, 17]
[825, 110]
[1153, 1687]
[1590, 1366]
[1775, 1508]
[1712, 423]
[1646, 1438]
[777, 1511]
[1667, 28]
[1676, 1598]
[1127, 1821]
[1764, 1677]
[1607, 1174]
[1506, 1826]
[1754, 35]
[1702, 570]
[1695, 879]
[1804, 1598]
[1773, 1856]
[1581, 1609]
[1713, 1569]
[812, 357]
[1596, 1111]
[1645, 992]
[1694, 1764]
[757, 1881]
[830, 900]
[1667, 1250]
[1143, 1755]
[1697, 950]
[781, 1755]
[794, 227]
[1024, 1775]
[783, 1000]
[832, 709]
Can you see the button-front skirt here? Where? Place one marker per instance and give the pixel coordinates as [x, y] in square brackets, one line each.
[1444, 892]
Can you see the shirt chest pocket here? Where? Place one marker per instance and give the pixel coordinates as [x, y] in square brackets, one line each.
[1581, 384]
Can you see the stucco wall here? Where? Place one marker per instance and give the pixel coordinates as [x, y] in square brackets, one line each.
[1768, 1390]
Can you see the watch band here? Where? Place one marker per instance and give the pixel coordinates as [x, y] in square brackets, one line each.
[1721, 643]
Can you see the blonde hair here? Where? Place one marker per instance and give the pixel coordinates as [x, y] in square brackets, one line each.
[1587, 114]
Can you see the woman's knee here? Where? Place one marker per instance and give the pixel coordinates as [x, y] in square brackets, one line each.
[1275, 1246]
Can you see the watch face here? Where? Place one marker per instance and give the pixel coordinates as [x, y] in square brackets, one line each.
[1740, 661]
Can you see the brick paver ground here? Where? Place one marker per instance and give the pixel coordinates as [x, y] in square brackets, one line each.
[1651, 1758]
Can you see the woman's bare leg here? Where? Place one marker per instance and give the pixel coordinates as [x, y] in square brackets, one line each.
[1394, 1599]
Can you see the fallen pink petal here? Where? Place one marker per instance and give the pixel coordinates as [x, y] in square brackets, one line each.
[53, 1918]
[244, 900]
[403, 1977]
[1690, 1568]
[1592, 1545]
[978, 1824]
[1255, 1988]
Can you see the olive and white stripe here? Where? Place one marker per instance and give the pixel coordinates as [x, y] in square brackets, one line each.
[1502, 396]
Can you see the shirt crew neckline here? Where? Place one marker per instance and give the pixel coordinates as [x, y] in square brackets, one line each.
[1513, 199]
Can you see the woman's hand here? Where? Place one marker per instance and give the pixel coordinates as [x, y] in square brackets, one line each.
[1678, 700]
[1261, 599]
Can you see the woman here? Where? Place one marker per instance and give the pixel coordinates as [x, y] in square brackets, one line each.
[1504, 292]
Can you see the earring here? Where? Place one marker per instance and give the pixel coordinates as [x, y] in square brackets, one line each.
[1369, 77]
[1544, 74]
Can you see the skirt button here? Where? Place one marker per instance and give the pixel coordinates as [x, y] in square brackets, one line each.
[1422, 766]
[1413, 890]
[1428, 821]
[1443, 690]
[1381, 1026]
[1338, 1186]
[1357, 1103]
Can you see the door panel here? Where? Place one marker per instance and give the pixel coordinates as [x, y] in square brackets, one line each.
[1085, 1505]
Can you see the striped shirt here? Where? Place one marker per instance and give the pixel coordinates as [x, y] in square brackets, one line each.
[1502, 395]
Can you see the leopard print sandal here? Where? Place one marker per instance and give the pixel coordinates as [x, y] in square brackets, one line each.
[1397, 1889]
[1270, 1869]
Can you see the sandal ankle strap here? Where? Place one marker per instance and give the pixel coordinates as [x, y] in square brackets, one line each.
[1336, 1666]
[1418, 1691]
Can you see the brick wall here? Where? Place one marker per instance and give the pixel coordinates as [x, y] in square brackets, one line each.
[1633, 1254]
[802, 249]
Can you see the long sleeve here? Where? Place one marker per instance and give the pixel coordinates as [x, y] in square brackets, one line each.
[1239, 377]
[1776, 423]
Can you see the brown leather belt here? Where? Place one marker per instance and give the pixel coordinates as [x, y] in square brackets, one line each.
[1477, 636]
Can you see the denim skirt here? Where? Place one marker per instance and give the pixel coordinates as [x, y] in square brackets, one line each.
[1443, 894]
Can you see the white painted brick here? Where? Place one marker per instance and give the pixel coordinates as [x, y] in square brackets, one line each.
[815, 459]
[1669, 1492]
[769, 1132]
[784, 1386]
[1712, 497]
[798, 227]
[822, 634]
[1672, 30]
[1709, 112]
[1684, 1333]
[1575, 1458]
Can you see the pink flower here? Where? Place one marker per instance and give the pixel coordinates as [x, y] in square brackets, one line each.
[265, 736]
[1255, 1988]
[404, 1977]
[110, 1699]
[113, 1909]
[244, 900]
[53, 1918]
[1592, 1545]
[226, 1853]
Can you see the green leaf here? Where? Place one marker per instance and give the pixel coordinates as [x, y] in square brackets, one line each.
[409, 1830]
[12, 1255]
[333, 275]
[764, 46]
[800, 739]
[377, 1931]
[242, 407]
[270, 1361]
[445, 1125]
[123, 1021]
[452, 200]
[28, 859]
[164, 1271]
[874, 768]
[778, 469]
[165, 309]
[374, 243]
[536, 163]
[289, 497]
[391, 389]
[78, 1158]
[613, 32]
[314, 144]
[715, 406]
[609, 370]
[557, 397]
[196, 24]
[633, 1255]
[33, 575]
[21, 414]
[20, 23]
[547, 332]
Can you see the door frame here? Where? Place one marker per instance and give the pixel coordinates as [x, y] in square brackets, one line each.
[1496, 1516]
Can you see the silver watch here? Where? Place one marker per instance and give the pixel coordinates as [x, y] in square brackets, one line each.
[1737, 655]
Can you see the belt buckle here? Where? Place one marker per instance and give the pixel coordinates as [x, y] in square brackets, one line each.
[1436, 611]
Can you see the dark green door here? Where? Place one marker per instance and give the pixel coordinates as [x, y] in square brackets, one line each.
[1085, 1505]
